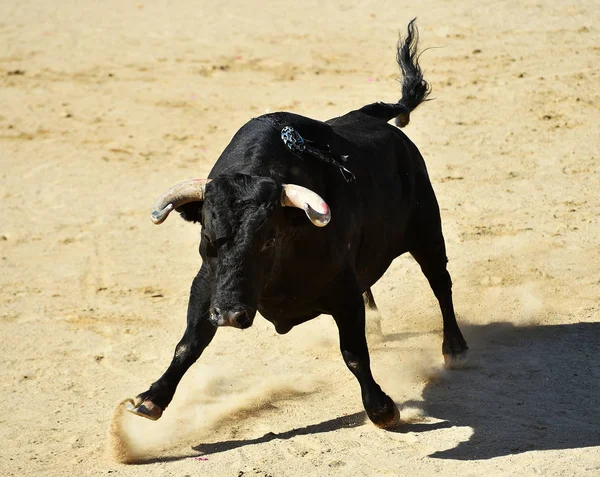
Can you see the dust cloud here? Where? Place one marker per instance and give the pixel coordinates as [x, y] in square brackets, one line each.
[195, 413]
[406, 361]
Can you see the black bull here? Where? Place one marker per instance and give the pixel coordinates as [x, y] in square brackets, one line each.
[260, 253]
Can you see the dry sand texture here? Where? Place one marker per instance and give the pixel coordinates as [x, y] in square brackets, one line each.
[106, 104]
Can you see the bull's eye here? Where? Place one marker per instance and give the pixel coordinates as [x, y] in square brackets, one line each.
[269, 243]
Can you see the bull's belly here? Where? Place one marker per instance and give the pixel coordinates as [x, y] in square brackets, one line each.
[372, 266]
[294, 306]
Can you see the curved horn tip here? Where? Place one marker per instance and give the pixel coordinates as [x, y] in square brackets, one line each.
[317, 218]
[159, 216]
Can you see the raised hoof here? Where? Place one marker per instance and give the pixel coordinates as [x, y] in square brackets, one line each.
[391, 422]
[456, 361]
[145, 409]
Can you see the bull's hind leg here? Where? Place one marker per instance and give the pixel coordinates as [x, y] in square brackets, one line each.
[349, 314]
[373, 325]
[432, 260]
[198, 334]
[369, 300]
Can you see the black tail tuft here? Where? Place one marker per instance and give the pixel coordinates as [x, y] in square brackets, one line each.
[414, 87]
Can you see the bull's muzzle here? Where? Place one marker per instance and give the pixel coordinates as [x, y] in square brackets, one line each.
[238, 319]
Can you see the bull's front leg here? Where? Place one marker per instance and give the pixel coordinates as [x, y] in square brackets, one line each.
[349, 315]
[198, 334]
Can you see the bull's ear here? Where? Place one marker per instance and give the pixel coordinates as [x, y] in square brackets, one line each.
[191, 212]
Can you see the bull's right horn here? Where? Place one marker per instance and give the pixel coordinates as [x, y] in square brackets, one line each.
[176, 196]
[315, 207]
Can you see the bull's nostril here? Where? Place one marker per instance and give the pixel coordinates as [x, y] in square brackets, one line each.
[242, 319]
[215, 314]
[238, 319]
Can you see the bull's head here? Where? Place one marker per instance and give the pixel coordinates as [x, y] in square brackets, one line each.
[241, 219]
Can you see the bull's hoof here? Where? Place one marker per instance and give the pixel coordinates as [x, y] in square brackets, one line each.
[384, 414]
[146, 409]
[390, 421]
[456, 361]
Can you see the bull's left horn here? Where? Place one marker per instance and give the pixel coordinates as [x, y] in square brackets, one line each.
[315, 207]
[176, 196]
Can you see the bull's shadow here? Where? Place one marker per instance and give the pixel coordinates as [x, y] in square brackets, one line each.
[352, 420]
[532, 388]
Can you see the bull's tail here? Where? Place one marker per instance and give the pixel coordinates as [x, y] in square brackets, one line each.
[415, 88]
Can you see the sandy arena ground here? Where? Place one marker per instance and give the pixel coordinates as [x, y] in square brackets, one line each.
[105, 105]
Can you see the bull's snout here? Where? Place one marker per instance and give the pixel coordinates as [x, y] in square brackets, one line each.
[237, 319]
